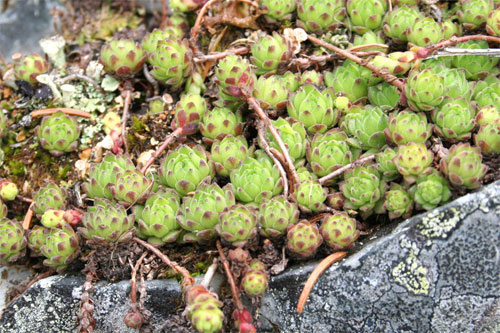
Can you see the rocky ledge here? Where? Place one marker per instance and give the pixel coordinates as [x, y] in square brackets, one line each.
[436, 272]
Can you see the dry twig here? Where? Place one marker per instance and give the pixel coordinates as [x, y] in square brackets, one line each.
[267, 122]
[316, 273]
[72, 112]
[187, 279]
[126, 105]
[168, 140]
[263, 141]
[347, 167]
[236, 293]
[383, 73]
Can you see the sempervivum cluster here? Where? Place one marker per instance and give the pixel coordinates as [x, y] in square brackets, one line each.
[279, 141]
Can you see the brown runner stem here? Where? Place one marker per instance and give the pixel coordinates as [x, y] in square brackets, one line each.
[168, 140]
[388, 77]
[262, 139]
[345, 168]
[133, 279]
[218, 55]
[267, 122]
[71, 112]
[230, 279]
[187, 279]
[316, 273]
[126, 106]
[195, 30]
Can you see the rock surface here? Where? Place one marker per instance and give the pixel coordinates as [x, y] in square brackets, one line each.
[23, 24]
[436, 272]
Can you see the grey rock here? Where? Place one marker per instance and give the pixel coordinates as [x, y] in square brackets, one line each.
[23, 24]
[436, 272]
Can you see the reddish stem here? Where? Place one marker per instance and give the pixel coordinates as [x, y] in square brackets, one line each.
[263, 116]
[316, 273]
[133, 279]
[172, 136]
[455, 40]
[28, 217]
[275, 160]
[126, 106]
[164, 10]
[230, 279]
[383, 73]
[218, 55]
[195, 30]
[187, 280]
[72, 112]
[345, 168]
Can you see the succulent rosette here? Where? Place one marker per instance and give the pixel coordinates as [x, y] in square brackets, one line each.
[362, 188]
[385, 164]
[455, 82]
[8, 190]
[278, 9]
[475, 66]
[256, 178]
[425, 89]
[398, 202]
[451, 28]
[131, 186]
[366, 14]
[48, 197]
[488, 138]
[184, 168]
[399, 20]
[150, 41]
[454, 119]
[335, 199]
[204, 309]
[271, 92]
[185, 5]
[315, 15]
[425, 31]
[368, 38]
[156, 220]
[171, 61]
[36, 239]
[275, 215]
[228, 153]
[30, 67]
[314, 108]
[384, 95]
[473, 13]
[255, 281]
[487, 92]
[413, 160]
[310, 195]
[329, 151]
[59, 133]
[102, 175]
[199, 214]
[122, 57]
[390, 63]
[339, 231]
[188, 113]
[107, 221]
[12, 241]
[311, 77]
[493, 22]
[487, 114]
[463, 166]
[53, 218]
[237, 224]
[291, 81]
[220, 122]
[407, 126]
[367, 127]
[233, 74]
[61, 247]
[270, 53]
[348, 81]
[294, 137]
[303, 239]
[430, 191]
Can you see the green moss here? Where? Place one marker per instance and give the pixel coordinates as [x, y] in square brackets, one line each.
[16, 167]
[63, 172]
[137, 124]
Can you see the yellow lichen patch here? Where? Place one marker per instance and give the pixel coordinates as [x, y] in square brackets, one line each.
[439, 224]
[412, 275]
